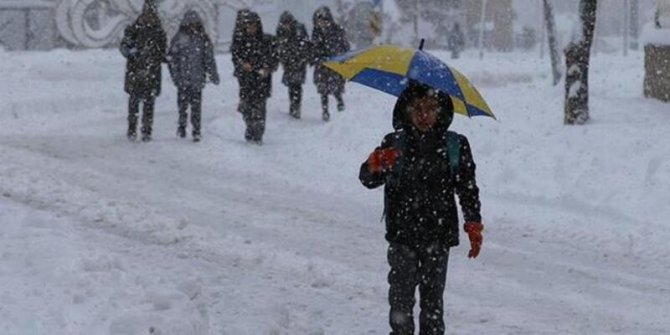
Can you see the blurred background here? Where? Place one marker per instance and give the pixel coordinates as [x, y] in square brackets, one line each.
[501, 25]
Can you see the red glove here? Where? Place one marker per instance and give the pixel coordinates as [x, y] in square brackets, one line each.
[474, 230]
[382, 159]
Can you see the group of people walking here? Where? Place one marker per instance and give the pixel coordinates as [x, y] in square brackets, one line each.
[255, 56]
[421, 164]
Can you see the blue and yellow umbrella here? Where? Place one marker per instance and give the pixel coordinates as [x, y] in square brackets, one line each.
[388, 68]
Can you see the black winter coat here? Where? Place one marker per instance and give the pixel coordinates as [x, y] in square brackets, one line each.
[420, 206]
[293, 46]
[260, 51]
[456, 39]
[327, 42]
[144, 45]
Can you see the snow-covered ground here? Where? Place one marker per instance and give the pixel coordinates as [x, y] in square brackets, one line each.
[102, 236]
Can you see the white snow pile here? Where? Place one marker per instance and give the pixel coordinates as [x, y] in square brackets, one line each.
[166, 312]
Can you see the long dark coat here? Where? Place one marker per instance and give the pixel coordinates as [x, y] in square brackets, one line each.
[143, 44]
[456, 39]
[419, 192]
[259, 50]
[294, 49]
[327, 41]
[191, 55]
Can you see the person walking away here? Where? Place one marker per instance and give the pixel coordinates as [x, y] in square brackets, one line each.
[143, 45]
[328, 39]
[254, 58]
[191, 61]
[293, 47]
[422, 166]
[456, 41]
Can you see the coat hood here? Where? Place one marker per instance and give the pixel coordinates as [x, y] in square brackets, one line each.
[148, 18]
[323, 13]
[192, 23]
[417, 90]
[191, 17]
[287, 23]
[245, 17]
[287, 18]
[150, 5]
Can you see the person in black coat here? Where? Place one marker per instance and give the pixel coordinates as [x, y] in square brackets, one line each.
[293, 46]
[254, 58]
[191, 61]
[456, 41]
[143, 45]
[328, 39]
[422, 165]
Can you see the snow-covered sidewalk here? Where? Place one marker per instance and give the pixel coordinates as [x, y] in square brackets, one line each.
[102, 236]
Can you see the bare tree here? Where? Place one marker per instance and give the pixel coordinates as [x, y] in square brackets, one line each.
[415, 21]
[577, 57]
[634, 24]
[553, 42]
[482, 25]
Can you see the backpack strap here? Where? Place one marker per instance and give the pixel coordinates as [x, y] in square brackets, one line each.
[453, 154]
[400, 144]
[453, 151]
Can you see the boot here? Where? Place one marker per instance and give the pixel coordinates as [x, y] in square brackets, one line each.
[324, 109]
[146, 134]
[340, 104]
[147, 118]
[132, 128]
[181, 132]
[295, 111]
[132, 134]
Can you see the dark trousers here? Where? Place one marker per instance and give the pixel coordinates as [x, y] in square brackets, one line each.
[147, 114]
[412, 267]
[254, 113]
[324, 102]
[295, 96]
[192, 98]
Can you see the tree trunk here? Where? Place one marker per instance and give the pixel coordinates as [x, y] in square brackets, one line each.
[482, 28]
[415, 22]
[577, 57]
[634, 24]
[543, 32]
[553, 42]
[656, 70]
[626, 26]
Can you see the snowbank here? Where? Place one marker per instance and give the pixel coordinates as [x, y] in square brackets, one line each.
[166, 312]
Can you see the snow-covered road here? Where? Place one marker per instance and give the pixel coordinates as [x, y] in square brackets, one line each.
[102, 236]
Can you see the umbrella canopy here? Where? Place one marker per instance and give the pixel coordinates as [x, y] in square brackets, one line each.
[389, 68]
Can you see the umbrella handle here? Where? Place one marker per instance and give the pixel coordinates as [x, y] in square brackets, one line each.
[421, 43]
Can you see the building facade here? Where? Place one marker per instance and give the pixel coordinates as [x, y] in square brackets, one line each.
[81, 24]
